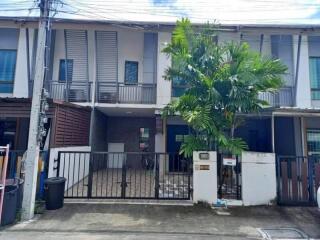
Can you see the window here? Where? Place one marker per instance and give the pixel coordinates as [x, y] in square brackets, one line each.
[181, 138]
[313, 141]
[144, 138]
[62, 70]
[131, 72]
[314, 66]
[7, 70]
[179, 87]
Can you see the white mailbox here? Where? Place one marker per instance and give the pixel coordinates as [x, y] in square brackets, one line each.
[205, 177]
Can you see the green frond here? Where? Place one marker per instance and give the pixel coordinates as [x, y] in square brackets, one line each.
[222, 81]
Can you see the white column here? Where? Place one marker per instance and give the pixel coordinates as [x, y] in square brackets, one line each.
[21, 75]
[163, 86]
[303, 97]
[266, 45]
[205, 186]
[92, 62]
[160, 147]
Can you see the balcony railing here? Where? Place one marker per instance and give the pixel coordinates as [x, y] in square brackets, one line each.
[112, 92]
[70, 92]
[282, 98]
[106, 92]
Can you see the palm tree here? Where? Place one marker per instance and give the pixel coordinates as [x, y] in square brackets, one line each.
[223, 82]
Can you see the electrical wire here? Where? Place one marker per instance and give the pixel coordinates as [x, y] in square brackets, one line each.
[112, 10]
[124, 11]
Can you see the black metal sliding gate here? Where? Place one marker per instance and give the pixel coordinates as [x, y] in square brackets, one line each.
[125, 175]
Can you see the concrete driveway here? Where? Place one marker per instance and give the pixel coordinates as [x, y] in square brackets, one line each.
[123, 221]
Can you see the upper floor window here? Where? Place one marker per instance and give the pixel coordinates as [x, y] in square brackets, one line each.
[7, 70]
[179, 87]
[131, 72]
[65, 70]
[313, 141]
[314, 66]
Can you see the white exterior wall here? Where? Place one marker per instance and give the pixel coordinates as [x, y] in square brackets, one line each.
[130, 48]
[224, 37]
[163, 86]
[258, 172]
[80, 170]
[59, 53]
[20, 88]
[303, 84]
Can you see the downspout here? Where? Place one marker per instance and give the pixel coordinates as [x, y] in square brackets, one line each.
[28, 62]
[272, 134]
[261, 43]
[93, 97]
[66, 66]
[297, 70]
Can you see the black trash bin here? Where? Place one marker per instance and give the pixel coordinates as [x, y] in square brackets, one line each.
[19, 183]
[54, 192]
[9, 209]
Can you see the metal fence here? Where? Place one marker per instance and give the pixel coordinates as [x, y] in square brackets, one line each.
[135, 175]
[229, 178]
[282, 98]
[77, 91]
[112, 92]
[298, 178]
[106, 92]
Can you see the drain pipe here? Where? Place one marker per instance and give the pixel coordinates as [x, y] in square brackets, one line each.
[318, 197]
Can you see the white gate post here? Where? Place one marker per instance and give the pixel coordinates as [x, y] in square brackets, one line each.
[205, 177]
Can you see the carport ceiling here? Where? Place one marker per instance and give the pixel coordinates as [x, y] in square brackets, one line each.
[127, 112]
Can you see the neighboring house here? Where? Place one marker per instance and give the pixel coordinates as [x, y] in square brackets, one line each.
[117, 69]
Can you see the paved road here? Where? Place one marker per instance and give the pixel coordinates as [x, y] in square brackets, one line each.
[131, 222]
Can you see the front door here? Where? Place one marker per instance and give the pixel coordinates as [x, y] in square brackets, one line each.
[175, 137]
[116, 156]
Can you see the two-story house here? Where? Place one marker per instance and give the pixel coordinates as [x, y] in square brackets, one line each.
[116, 70]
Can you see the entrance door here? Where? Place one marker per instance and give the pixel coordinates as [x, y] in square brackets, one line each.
[116, 156]
[175, 137]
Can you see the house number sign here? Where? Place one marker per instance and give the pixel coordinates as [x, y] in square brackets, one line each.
[229, 161]
[202, 167]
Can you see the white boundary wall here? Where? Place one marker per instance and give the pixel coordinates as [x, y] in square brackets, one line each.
[80, 167]
[259, 185]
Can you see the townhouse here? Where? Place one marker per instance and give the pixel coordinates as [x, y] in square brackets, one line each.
[106, 87]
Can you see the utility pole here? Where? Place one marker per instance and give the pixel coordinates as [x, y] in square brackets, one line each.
[31, 162]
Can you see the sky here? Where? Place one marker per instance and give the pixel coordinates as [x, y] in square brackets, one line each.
[295, 12]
